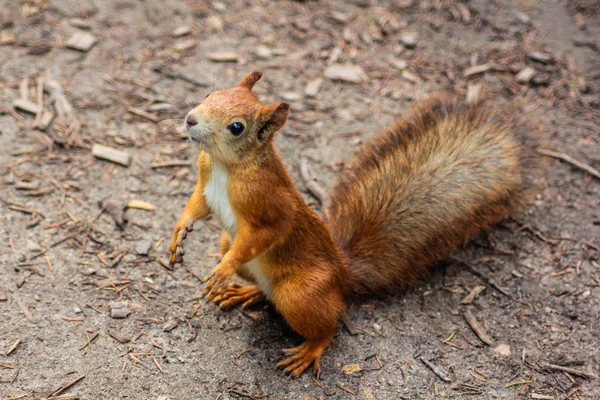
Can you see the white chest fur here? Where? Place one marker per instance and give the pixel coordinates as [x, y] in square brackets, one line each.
[217, 199]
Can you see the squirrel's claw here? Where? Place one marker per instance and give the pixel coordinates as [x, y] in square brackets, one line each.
[218, 279]
[301, 357]
[176, 251]
[235, 294]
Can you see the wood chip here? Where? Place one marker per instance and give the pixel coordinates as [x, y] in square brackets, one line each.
[186, 44]
[81, 41]
[66, 115]
[541, 396]
[80, 23]
[544, 58]
[477, 69]
[409, 76]
[181, 31]
[478, 328]
[141, 205]
[45, 120]
[142, 113]
[570, 371]
[110, 154]
[473, 92]
[562, 156]
[66, 386]
[346, 72]
[436, 370]
[473, 295]
[173, 163]
[313, 87]
[27, 105]
[525, 75]
[89, 340]
[27, 313]
[13, 347]
[223, 56]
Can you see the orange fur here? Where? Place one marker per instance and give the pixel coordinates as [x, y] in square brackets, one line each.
[421, 188]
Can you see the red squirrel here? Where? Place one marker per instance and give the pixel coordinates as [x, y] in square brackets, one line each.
[415, 192]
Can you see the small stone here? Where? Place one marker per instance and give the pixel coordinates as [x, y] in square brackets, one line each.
[522, 17]
[350, 369]
[142, 247]
[409, 39]
[587, 293]
[181, 31]
[377, 328]
[291, 96]
[7, 36]
[264, 52]
[33, 246]
[525, 75]
[580, 21]
[366, 394]
[346, 72]
[502, 350]
[345, 115]
[118, 336]
[223, 56]
[313, 87]
[409, 76]
[170, 325]
[78, 310]
[81, 41]
[541, 79]
[119, 311]
[399, 64]
[544, 58]
[215, 22]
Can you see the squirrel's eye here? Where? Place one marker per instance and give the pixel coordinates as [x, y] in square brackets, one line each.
[236, 129]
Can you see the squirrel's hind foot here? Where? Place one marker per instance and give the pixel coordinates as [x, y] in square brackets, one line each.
[236, 294]
[301, 357]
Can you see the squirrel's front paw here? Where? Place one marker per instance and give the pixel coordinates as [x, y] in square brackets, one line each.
[218, 279]
[176, 251]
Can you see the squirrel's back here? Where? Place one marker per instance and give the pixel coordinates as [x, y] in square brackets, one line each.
[421, 188]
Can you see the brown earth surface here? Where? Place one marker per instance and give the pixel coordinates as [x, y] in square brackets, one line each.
[67, 269]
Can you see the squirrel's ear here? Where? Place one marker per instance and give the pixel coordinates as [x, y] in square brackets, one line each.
[274, 117]
[250, 79]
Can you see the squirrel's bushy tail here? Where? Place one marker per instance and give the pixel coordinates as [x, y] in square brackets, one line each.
[421, 188]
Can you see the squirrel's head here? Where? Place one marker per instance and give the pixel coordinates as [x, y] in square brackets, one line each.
[233, 124]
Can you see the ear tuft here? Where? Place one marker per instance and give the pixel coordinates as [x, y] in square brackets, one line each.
[275, 117]
[250, 79]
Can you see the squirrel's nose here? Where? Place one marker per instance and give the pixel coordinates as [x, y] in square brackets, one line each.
[190, 121]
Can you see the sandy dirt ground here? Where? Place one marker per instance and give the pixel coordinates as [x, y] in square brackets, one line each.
[123, 73]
